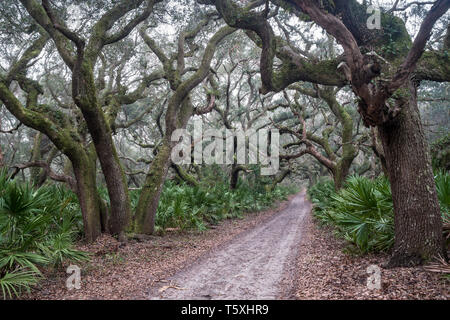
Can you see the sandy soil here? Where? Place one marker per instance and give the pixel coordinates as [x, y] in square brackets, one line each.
[130, 271]
[254, 265]
[325, 272]
[280, 253]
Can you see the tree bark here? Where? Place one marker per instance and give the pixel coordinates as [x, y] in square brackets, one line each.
[85, 175]
[235, 169]
[418, 222]
[100, 131]
[378, 150]
[340, 173]
[43, 176]
[279, 179]
[145, 215]
[184, 175]
[115, 181]
[36, 156]
[1, 158]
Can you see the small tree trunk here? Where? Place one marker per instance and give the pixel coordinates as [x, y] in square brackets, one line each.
[43, 176]
[234, 179]
[36, 156]
[341, 170]
[235, 168]
[279, 179]
[88, 197]
[349, 151]
[145, 215]
[1, 158]
[418, 222]
[378, 150]
[338, 179]
[151, 191]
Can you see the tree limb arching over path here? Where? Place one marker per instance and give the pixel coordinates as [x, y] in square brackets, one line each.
[388, 103]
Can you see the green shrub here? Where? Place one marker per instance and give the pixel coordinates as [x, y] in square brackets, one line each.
[186, 207]
[11, 283]
[362, 211]
[178, 208]
[440, 153]
[442, 180]
[320, 194]
[37, 228]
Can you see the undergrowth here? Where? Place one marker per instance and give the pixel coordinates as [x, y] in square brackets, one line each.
[38, 227]
[362, 211]
[185, 207]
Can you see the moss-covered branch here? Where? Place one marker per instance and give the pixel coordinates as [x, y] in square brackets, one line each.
[186, 177]
[63, 45]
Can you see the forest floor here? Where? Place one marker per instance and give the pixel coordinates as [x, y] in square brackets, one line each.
[133, 270]
[276, 254]
[325, 272]
[256, 264]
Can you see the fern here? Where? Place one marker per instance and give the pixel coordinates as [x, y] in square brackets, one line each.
[12, 283]
[37, 228]
[362, 212]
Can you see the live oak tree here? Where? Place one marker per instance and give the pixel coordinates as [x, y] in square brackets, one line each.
[336, 155]
[80, 58]
[384, 80]
[64, 135]
[179, 110]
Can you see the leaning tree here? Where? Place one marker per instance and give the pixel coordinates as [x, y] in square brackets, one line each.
[94, 102]
[81, 50]
[179, 109]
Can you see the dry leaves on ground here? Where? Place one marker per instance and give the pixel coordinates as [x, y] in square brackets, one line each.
[325, 272]
[128, 271]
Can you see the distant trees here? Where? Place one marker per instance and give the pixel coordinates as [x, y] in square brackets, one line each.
[178, 111]
[337, 159]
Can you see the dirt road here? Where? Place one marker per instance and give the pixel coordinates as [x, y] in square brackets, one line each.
[257, 264]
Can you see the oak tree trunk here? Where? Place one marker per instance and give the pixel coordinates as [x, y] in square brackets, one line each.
[418, 222]
[89, 199]
[1, 158]
[36, 155]
[145, 214]
[341, 172]
[120, 211]
[151, 190]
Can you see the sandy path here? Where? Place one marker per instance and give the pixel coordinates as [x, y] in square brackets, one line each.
[257, 264]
